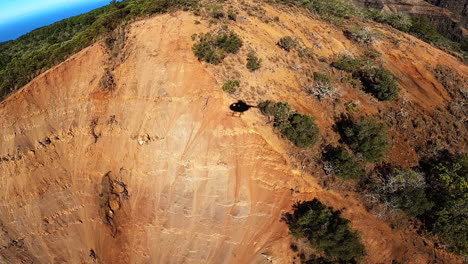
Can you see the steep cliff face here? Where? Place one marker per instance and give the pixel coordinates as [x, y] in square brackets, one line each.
[155, 169]
[449, 16]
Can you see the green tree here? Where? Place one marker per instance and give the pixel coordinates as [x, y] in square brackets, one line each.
[300, 130]
[344, 164]
[368, 138]
[380, 83]
[325, 229]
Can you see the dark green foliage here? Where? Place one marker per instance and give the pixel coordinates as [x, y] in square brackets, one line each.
[398, 21]
[231, 86]
[280, 110]
[380, 83]
[344, 164]
[29, 55]
[423, 29]
[412, 200]
[213, 48]
[229, 42]
[366, 137]
[253, 62]
[448, 189]
[325, 229]
[348, 64]
[300, 130]
[287, 43]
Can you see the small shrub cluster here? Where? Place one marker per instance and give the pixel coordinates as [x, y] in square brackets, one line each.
[377, 81]
[344, 164]
[447, 179]
[363, 35]
[366, 137]
[231, 86]
[287, 43]
[348, 64]
[213, 48]
[323, 86]
[253, 62]
[232, 14]
[325, 230]
[402, 189]
[299, 129]
[436, 192]
[380, 83]
[280, 110]
[401, 22]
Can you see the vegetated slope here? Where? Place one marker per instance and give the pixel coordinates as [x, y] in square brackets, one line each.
[157, 169]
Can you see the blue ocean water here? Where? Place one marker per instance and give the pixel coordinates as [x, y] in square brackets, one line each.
[19, 26]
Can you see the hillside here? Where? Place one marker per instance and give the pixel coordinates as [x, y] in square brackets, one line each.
[129, 153]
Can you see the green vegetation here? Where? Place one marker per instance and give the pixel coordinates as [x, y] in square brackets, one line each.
[299, 129]
[232, 14]
[436, 193]
[348, 64]
[448, 190]
[399, 21]
[231, 86]
[253, 62]
[344, 164]
[328, 9]
[366, 137]
[280, 110]
[287, 43]
[326, 231]
[213, 48]
[402, 189]
[380, 83]
[26, 57]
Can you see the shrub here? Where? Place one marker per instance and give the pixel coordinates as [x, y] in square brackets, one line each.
[448, 190]
[253, 62]
[232, 14]
[404, 189]
[300, 130]
[348, 64]
[231, 86]
[411, 200]
[368, 138]
[363, 35]
[287, 43]
[344, 165]
[323, 86]
[280, 110]
[399, 21]
[216, 11]
[380, 83]
[213, 49]
[325, 229]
